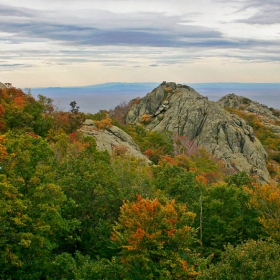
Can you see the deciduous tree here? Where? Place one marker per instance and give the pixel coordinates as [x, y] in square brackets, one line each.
[155, 240]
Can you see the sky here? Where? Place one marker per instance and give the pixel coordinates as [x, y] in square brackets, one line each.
[75, 43]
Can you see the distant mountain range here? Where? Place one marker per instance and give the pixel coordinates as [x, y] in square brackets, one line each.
[106, 96]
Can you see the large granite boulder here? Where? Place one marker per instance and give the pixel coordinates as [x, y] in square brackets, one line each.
[113, 139]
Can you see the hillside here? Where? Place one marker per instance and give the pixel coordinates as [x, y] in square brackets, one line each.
[183, 111]
[164, 196]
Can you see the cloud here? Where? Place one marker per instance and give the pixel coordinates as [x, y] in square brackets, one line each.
[104, 28]
[12, 65]
[64, 37]
[264, 12]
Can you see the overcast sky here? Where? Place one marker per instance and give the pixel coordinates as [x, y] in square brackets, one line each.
[75, 43]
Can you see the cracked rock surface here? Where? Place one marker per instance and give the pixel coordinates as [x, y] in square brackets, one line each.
[183, 111]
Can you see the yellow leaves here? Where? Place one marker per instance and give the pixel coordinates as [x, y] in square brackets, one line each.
[18, 221]
[266, 199]
[187, 228]
[25, 243]
[3, 150]
[192, 215]
[129, 248]
[2, 139]
[15, 261]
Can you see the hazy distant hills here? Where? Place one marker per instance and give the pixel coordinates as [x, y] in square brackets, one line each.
[106, 96]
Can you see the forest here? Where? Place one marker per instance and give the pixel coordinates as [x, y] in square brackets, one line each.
[71, 211]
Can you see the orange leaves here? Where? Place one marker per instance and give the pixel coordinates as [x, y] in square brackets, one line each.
[19, 101]
[107, 122]
[201, 179]
[146, 222]
[166, 159]
[146, 118]
[168, 89]
[155, 234]
[137, 235]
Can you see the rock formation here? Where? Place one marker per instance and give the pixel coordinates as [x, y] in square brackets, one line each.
[269, 117]
[2, 86]
[183, 111]
[113, 139]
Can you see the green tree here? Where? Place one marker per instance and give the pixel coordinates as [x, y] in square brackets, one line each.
[26, 153]
[31, 227]
[93, 196]
[227, 218]
[177, 183]
[251, 260]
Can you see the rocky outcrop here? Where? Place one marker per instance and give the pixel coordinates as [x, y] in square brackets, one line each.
[113, 139]
[268, 116]
[183, 111]
[2, 86]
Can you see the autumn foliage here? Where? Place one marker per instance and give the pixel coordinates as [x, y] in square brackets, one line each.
[155, 239]
[266, 198]
[146, 118]
[104, 123]
[71, 211]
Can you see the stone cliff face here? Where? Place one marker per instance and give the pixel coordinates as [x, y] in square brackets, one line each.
[113, 139]
[269, 117]
[183, 111]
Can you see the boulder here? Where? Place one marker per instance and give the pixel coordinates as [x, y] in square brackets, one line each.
[113, 139]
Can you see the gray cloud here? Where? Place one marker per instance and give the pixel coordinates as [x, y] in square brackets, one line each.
[111, 38]
[267, 11]
[141, 29]
[12, 65]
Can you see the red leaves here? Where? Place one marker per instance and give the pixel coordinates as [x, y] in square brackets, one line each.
[2, 122]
